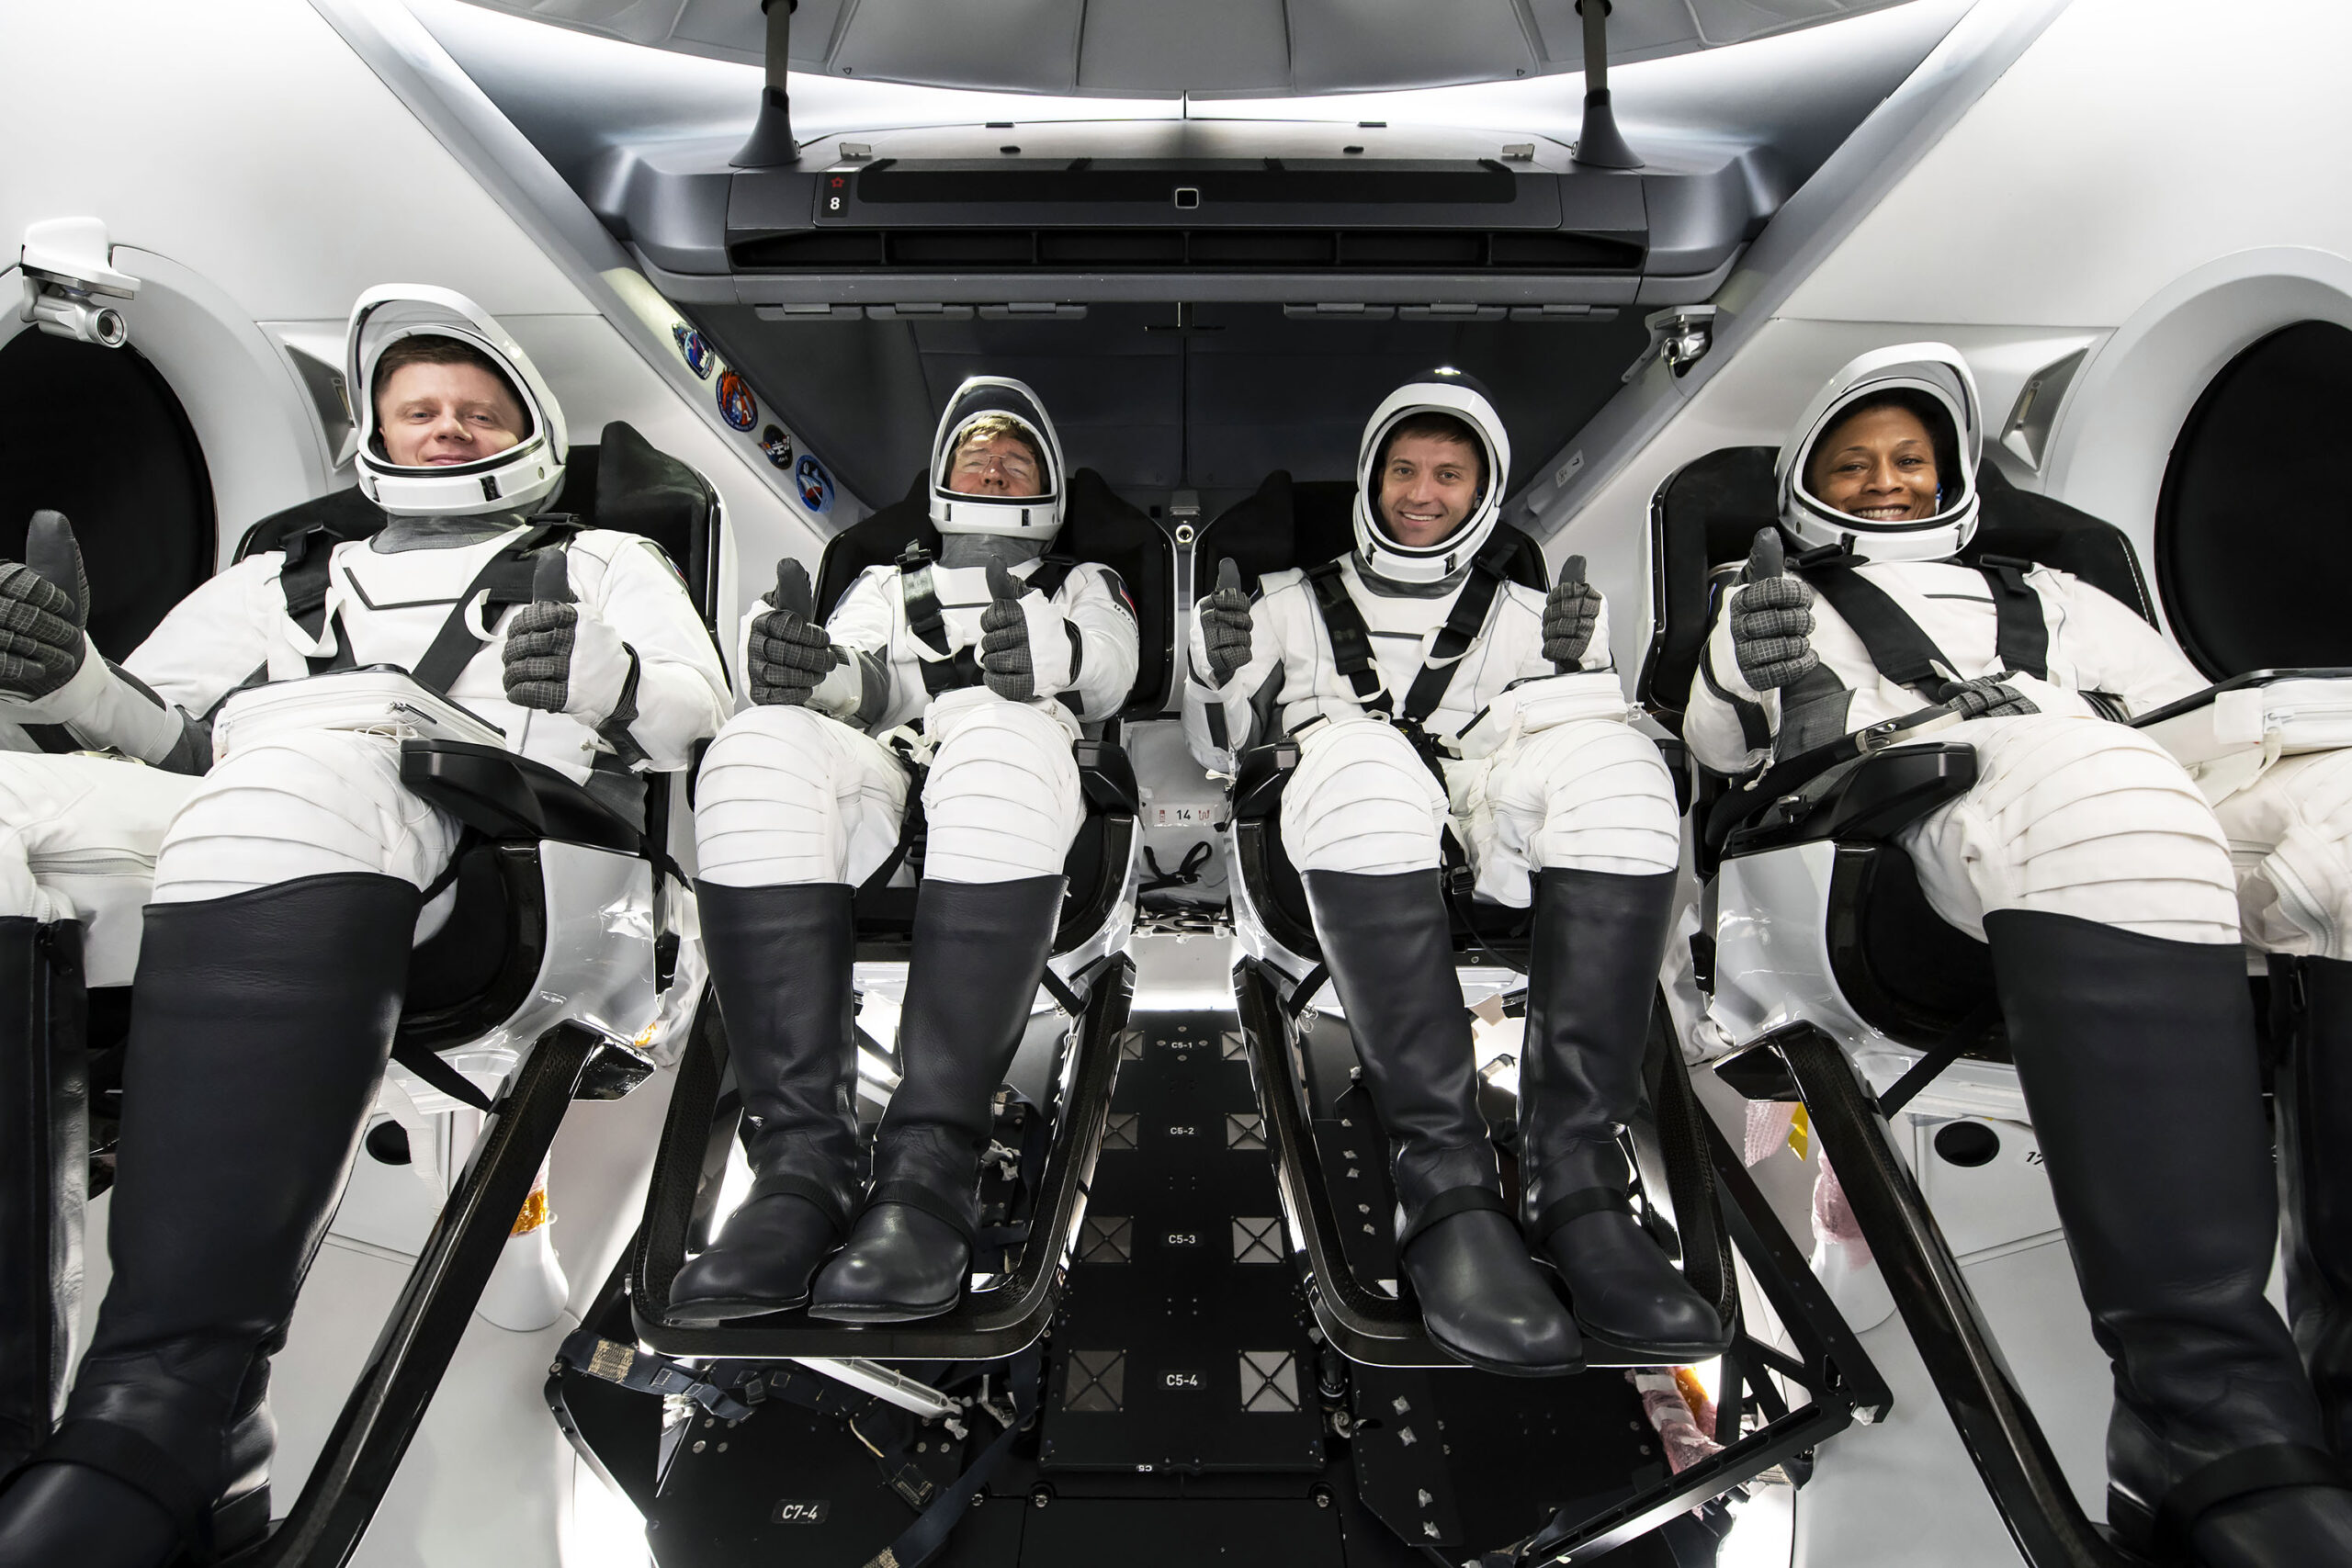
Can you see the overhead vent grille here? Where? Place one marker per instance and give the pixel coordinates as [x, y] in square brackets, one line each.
[1383, 181]
[1187, 250]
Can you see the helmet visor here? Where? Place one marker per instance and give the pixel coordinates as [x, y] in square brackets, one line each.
[1890, 458]
[992, 445]
[407, 332]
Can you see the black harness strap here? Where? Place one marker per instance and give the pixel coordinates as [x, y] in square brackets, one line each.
[1907, 656]
[1352, 639]
[957, 668]
[515, 575]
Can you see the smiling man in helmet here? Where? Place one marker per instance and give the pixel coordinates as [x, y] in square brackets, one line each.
[1428, 696]
[2088, 860]
[999, 652]
[290, 887]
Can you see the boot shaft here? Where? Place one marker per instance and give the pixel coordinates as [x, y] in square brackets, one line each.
[781, 963]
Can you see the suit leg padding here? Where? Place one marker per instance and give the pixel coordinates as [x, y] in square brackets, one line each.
[1362, 801]
[786, 794]
[2080, 817]
[1002, 801]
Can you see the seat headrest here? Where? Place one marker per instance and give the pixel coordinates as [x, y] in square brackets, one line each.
[1097, 526]
[622, 483]
[1288, 522]
[1708, 510]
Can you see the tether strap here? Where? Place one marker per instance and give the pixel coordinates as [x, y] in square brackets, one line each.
[1446, 1205]
[427, 1064]
[2022, 639]
[921, 1541]
[1351, 638]
[510, 576]
[2263, 1469]
[608, 1360]
[1946, 1051]
[915, 1195]
[955, 668]
[1575, 1206]
[138, 1464]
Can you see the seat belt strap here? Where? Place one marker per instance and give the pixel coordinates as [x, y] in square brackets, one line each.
[955, 668]
[1463, 625]
[1903, 653]
[1351, 638]
[2022, 639]
[303, 578]
[511, 577]
[427, 1064]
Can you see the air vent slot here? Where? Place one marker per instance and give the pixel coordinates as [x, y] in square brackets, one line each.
[1180, 250]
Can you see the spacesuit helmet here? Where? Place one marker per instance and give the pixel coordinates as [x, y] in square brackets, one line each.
[1444, 390]
[1932, 381]
[990, 406]
[521, 478]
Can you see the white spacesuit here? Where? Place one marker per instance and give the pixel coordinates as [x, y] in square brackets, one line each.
[2088, 860]
[290, 884]
[982, 663]
[1426, 692]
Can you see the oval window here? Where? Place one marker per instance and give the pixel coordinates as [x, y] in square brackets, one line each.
[2253, 527]
[96, 433]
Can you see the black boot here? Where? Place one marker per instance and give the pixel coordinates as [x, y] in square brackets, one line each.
[44, 1169]
[1598, 942]
[259, 1026]
[2137, 1057]
[1389, 948]
[979, 949]
[780, 959]
[2315, 1137]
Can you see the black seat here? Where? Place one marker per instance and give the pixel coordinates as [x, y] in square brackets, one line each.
[1905, 971]
[1098, 526]
[1284, 525]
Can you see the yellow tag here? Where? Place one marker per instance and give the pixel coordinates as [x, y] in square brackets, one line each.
[1800, 1133]
[535, 1214]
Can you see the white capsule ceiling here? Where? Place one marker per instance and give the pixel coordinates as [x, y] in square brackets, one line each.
[1204, 47]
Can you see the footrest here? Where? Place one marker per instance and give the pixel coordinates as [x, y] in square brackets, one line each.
[987, 1326]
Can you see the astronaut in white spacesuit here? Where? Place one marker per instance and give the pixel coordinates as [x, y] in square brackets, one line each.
[999, 650]
[291, 884]
[1426, 690]
[2087, 859]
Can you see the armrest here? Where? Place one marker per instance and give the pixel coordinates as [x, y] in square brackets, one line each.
[504, 797]
[1871, 799]
[1258, 777]
[1106, 777]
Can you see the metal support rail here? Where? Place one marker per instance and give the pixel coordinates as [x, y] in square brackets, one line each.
[1996, 1427]
[364, 1450]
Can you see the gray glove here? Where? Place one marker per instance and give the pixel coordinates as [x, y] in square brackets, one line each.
[1008, 664]
[790, 652]
[1224, 623]
[42, 610]
[1987, 697]
[1571, 612]
[561, 659]
[1771, 618]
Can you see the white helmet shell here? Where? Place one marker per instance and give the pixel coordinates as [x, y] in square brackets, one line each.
[1037, 516]
[1935, 375]
[521, 479]
[1443, 391]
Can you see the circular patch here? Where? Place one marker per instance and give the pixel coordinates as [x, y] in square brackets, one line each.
[736, 404]
[697, 353]
[816, 485]
[777, 445]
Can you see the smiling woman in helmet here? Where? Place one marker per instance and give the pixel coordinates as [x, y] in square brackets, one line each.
[1476, 706]
[998, 654]
[2104, 885]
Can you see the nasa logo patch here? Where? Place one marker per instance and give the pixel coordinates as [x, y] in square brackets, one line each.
[697, 353]
[777, 444]
[736, 404]
[816, 485]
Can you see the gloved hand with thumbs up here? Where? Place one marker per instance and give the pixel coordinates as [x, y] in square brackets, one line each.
[1224, 623]
[1028, 648]
[790, 653]
[42, 612]
[1571, 613]
[1771, 618]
